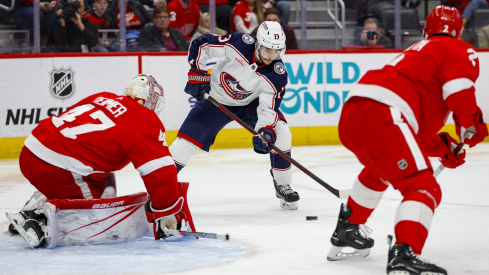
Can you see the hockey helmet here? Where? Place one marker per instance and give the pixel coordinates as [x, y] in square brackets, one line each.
[147, 91]
[443, 20]
[271, 35]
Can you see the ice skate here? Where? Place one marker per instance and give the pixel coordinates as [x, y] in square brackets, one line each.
[403, 261]
[288, 197]
[30, 226]
[349, 236]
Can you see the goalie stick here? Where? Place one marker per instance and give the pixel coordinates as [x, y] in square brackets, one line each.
[224, 237]
[342, 194]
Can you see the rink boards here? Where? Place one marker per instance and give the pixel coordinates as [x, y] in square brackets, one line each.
[34, 87]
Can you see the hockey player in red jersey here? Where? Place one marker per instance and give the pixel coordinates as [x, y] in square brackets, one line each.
[69, 156]
[391, 121]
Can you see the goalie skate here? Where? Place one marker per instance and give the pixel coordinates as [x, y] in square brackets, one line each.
[31, 229]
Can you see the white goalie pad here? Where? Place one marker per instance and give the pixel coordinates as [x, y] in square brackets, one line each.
[99, 221]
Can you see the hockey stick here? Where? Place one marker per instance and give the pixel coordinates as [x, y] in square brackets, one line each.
[224, 237]
[342, 194]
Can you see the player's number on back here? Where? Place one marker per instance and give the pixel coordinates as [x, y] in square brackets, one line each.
[70, 116]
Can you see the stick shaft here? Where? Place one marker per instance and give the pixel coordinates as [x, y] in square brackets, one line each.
[335, 191]
[456, 151]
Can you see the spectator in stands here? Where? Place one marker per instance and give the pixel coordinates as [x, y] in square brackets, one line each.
[159, 36]
[136, 17]
[246, 16]
[76, 33]
[223, 12]
[372, 35]
[471, 6]
[24, 16]
[484, 37]
[273, 14]
[281, 5]
[103, 18]
[204, 27]
[184, 16]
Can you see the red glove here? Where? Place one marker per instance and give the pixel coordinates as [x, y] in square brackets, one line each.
[476, 133]
[446, 154]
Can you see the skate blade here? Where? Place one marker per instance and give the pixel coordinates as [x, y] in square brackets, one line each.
[288, 205]
[337, 254]
[33, 242]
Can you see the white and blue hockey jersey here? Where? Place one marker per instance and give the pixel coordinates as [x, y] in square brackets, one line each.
[236, 79]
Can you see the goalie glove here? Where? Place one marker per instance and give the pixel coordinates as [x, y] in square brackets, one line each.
[446, 152]
[475, 133]
[265, 135]
[198, 83]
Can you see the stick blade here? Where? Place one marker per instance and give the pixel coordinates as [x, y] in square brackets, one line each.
[344, 194]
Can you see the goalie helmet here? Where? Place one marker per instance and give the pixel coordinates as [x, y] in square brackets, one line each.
[146, 89]
[271, 35]
[443, 20]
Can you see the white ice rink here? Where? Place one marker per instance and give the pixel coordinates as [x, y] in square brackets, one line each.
[231, 191]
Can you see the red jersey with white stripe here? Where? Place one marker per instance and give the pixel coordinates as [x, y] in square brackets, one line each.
[185, 18]
[426, 82]
[103, 133]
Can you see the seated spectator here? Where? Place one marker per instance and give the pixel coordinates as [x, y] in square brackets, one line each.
[484, 37]
[136, 17]
[246, 16]
[372, 35]
[75, 33]
[24, 16]
[273, 14]
[223, 12]
[158, 36]
[205, 26]
[101, 17]
[281, 5]
[184, 16]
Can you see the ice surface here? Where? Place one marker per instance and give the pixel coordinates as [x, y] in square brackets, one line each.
[231, 191]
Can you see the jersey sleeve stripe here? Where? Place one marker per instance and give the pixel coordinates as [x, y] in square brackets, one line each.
[57, 159]
[155, 164]
[456, 85]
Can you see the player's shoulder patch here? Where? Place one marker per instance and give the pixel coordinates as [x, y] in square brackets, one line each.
[248, 39]
[279, 68]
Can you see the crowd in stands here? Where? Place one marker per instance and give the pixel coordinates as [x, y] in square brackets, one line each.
[170, 25]
[153, 25]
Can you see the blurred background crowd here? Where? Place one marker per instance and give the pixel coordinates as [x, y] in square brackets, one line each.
[170, 25]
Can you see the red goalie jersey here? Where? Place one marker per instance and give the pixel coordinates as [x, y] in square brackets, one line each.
[426, 82]
[103, 133]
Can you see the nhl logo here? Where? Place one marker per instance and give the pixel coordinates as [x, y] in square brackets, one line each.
[402, 164]
[62, 84]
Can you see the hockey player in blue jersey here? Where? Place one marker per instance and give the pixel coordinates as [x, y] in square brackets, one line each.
[249, 79]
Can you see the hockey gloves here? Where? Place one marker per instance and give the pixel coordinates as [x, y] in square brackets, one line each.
[446, 154]
[265, 135]
[199, 83]
[476, 133]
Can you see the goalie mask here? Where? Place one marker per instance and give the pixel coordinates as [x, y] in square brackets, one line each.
[147, 92]
[270, 35]
[444, 20]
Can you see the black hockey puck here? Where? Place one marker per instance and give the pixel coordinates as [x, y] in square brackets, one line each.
[311, 218]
